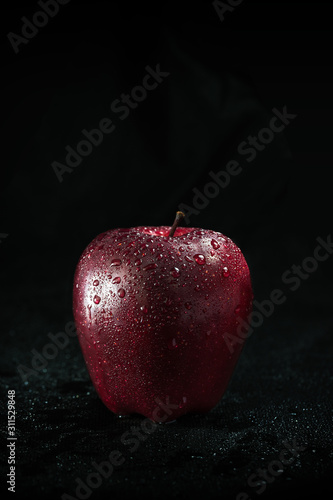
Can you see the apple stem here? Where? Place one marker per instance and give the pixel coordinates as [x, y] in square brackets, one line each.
[178, 218]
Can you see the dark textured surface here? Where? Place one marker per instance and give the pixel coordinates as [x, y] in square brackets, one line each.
[280, 391]
[225, 79]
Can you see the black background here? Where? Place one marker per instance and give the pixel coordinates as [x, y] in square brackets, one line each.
[225, 78]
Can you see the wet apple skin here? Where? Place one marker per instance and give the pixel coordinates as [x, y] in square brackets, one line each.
[155, 316]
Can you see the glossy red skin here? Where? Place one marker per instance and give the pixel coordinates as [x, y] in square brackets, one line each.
[165, 338]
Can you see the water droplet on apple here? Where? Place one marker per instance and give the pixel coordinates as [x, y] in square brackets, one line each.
[97, 299]
[144, 309]
[197, 288]
[117, 279]
[115, 262]
[121, 293]
[187, 258]
[238, 308]
[175, 272]
[215, 244]
[149, 267]
[225, 272]
[183, 402]
[172, 344]
[200, 259]
[138, 262]
[89, 311]
[96, 283]
[181, 249]
[188, 305]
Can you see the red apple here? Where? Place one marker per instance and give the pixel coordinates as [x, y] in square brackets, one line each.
[155, 308]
